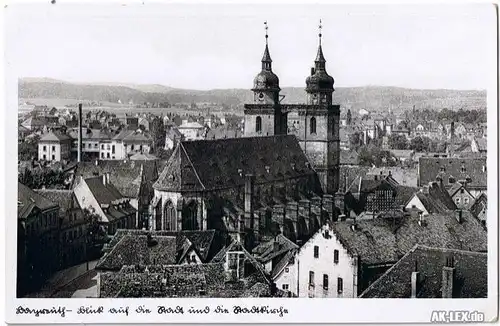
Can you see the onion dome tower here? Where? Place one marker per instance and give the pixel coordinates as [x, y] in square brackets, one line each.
[319, 85]
[266, 84]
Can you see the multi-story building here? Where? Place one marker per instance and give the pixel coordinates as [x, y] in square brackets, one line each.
[73, 225]
[38, 242]
[54, 146]
[100, 197]
[192, 130]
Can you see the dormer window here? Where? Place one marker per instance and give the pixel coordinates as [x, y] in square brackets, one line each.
[451, 179]
[442, 168]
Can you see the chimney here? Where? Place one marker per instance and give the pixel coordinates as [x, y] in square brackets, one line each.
[425, 189]
[79, 149]
[249, 192]
[415, 284]
[458, 215]
[448, 279]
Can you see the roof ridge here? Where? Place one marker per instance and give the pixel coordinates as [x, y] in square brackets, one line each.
[191, 163]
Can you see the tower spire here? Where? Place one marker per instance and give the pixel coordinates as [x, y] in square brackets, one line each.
[320, 58]
[266, 58]
[320, 27]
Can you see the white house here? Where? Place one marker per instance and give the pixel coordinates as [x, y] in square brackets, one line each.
[321, 268]
[191, 130]
[54, 147]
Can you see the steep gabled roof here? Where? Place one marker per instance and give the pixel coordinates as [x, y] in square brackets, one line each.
[458, 168]
[267, 251]
[54, 137]
[386, 240]
[471, 272]
[220, 164]
[139, 250]
[29, 199]
[481, 203]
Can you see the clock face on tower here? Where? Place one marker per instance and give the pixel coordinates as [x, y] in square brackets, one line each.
[261, 97]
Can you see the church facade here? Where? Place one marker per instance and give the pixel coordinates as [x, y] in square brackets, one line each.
[274, 180]
[315, 124]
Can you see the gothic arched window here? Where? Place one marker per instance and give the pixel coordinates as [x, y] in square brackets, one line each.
[312, 124]
[258, 124]
[170, 221]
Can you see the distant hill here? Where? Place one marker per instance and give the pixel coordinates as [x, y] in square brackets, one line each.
[372, 98]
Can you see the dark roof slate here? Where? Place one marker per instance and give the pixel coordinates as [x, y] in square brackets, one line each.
[429, 168]
[471, 279]
[212, 164]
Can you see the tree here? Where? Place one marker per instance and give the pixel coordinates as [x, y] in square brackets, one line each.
[355, 140]
[397, 141]
[28, 149]
[157, 129]
[373, 156]
[423, 144]
[349, 117]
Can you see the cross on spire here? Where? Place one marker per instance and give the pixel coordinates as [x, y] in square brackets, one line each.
[266, 28]
[320, 27]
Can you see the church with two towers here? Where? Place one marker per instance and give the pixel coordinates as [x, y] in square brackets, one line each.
[281, 177]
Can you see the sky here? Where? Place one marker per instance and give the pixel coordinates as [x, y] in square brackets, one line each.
[202, 46]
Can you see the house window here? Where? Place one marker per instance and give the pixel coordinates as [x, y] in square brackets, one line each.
[102, 146]
[96, 145]
[466, 200]
[53, 157]
[83, 145]
[53, 148]
[113, 149]
[451, 180]
[132, 147]
[140, 148]
[311, 278]
[285, 287]
[340, 285]
[107, 155]
[457, 200]
[258, 124]
[335, 256]
[102, 155]
[108, 147]
[312, 125]
[316, 252]
[462, 191]
[44, 156]
[44, 148]
[325, 282]
[462, 169]
[287, 270]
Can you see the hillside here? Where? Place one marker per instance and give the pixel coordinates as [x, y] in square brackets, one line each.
[373, 98]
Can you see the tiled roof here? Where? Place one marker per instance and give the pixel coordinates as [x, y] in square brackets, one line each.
[437, 200]
[386, 240]
[480, 203]
[27, 197]
[104, 194]
[64, 198]
[404, 194]
[269, 250]
[458, 168]
[138, 250]
[212, 164]
[471, 272]
[54, 137]
[122, 173]
[223, 132]
[348, 157]
[96, 134]
[193, 280]
[203, 242]
[132, 136]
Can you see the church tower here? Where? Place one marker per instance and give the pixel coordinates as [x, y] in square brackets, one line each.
[318, 131]
[264, 117]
